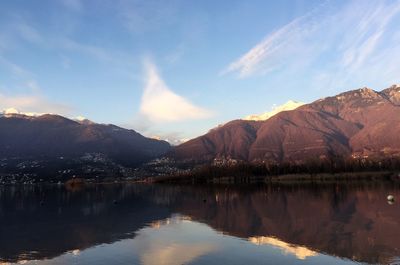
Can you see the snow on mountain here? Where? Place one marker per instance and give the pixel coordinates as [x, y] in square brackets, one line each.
[9, 112]
[80, 118]
[13, 112]
[172, 141]
[290, 105]
[83, 120]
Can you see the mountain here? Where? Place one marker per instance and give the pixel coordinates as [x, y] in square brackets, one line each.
[290, 105]
[356, 123]
[53, 136]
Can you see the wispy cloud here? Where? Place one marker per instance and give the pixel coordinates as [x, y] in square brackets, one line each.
[175, 55]
[92, 50]
[29, 33]
[267, 55]
[15, 69]
[31, 99]
[21, 74]
[277, 48]
[20, 33]
[331, 41]
[113, 58]
[143, 16]
[160, 104]
[18, 30]
[74, 5]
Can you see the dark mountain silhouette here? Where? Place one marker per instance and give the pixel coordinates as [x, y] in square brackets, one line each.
[358, 123]
[51, 136]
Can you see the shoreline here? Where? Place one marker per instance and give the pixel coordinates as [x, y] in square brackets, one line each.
[303, 178]
[285, 178]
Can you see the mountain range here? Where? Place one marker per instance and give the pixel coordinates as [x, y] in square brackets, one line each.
[357, 123]
[52, 136]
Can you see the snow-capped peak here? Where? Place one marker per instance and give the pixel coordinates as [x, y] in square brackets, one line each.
[13, 111]
[80, 118]
[83, 120]
[290, 105]
[172, 141]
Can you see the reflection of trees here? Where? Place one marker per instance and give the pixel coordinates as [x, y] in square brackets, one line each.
[346, 220]
[46, 222]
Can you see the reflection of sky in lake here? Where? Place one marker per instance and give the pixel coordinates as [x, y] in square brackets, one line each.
[179, 240]
[161, 224]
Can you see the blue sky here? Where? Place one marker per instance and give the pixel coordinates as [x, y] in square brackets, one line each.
[175, 69]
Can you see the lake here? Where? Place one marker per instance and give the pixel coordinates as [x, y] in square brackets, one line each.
[342, 223]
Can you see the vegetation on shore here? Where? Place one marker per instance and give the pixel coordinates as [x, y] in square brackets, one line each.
[313, 170]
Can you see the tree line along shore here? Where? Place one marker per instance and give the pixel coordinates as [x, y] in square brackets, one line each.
[313, 170]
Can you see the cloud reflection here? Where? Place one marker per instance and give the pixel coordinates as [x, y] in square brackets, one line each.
[299, 251]
[164, 242]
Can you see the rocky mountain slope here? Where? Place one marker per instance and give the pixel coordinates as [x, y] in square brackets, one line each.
[356, 123]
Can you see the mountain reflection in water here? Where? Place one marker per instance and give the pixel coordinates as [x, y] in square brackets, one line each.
[159, 224]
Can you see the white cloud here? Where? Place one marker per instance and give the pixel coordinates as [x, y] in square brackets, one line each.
[160, 104]
[271, 52]
[368, 34]
[344, 41]
[174, 248]
[31, 104]
[175, 253]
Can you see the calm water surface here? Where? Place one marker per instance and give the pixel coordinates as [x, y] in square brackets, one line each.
[157, 224]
